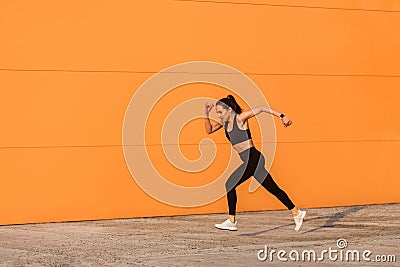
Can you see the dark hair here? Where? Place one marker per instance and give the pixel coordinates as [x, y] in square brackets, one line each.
[229, 102]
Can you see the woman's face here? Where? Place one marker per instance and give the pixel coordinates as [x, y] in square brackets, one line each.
[222, 113]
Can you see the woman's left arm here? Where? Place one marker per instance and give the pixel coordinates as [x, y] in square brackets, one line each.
[257, 110]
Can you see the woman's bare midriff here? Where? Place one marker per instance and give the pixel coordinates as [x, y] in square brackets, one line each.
[240, 147]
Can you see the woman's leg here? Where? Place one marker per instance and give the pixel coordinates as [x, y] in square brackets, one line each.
[266, 180]
[240, 175]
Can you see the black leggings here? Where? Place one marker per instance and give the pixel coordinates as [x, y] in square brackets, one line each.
[253, 165]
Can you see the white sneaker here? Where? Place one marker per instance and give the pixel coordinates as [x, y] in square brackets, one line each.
[299, 219]
[227, 225]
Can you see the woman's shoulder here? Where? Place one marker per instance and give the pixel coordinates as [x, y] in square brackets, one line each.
[243, 125]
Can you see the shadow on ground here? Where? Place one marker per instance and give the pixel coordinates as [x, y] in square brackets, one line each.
[332, 219]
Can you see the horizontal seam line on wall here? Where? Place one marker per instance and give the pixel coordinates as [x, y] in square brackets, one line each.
[216, 143]
[289, 6]
[205, 73]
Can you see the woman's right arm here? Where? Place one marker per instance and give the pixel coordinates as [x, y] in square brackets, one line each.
[210, 128]
[257, 110]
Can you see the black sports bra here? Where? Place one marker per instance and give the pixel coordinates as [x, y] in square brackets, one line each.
[237, 135]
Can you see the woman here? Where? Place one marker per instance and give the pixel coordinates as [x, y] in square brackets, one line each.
[236, 130]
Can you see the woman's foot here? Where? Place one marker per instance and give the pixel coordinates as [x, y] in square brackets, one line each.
[299, 219]
[227, 225]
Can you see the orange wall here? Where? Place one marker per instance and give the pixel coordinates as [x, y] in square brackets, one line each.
[68, 70]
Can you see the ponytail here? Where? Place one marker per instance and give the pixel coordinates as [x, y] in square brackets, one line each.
[230, 102]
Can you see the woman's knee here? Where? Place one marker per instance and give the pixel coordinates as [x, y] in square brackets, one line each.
[261, 175]
[234, 180]
[229, 185]
[269, 184]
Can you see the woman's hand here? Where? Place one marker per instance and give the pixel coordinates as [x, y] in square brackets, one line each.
[210, 128]
[208, 108]
[286, 121]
